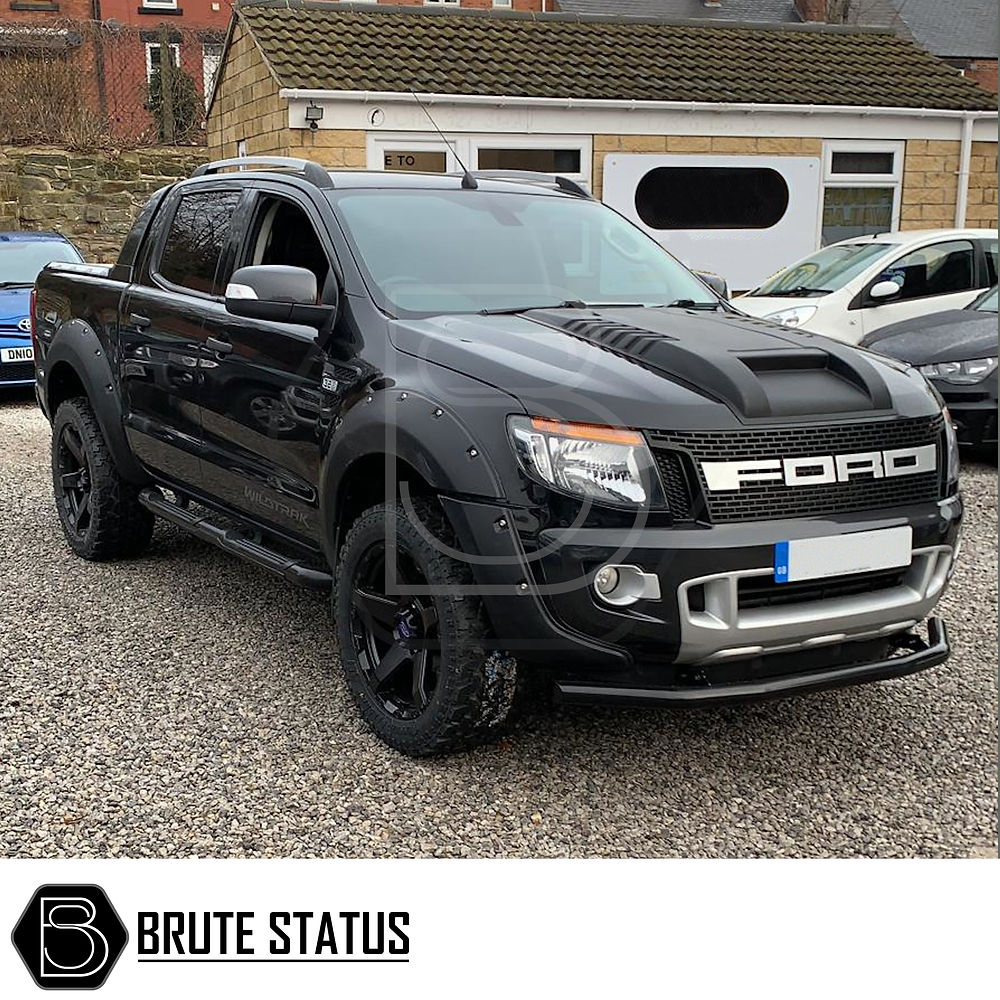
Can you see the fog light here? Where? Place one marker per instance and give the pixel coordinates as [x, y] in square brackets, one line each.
[620, 586]
[606, 580]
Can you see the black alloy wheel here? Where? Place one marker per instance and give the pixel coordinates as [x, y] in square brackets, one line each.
[415, 643]
[75, 483]
[395, 637]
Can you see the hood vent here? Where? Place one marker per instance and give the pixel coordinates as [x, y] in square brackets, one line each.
[756, 370]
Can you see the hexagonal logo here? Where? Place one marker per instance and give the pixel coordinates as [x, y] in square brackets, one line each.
[69, 937]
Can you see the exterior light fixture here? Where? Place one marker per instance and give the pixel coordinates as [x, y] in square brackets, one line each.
[314, 115]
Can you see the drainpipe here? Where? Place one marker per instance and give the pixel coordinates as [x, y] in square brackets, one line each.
[964, 161]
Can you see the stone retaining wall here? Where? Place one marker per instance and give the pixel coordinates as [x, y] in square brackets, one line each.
[91, 198]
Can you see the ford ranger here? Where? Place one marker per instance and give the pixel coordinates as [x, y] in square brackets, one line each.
[508, 433]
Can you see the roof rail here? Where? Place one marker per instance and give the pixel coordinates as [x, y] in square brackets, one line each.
[536, 177]
[312, 171]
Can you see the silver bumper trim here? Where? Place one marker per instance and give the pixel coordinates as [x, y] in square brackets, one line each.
[724, 631]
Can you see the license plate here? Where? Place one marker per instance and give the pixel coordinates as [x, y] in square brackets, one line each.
[841, 555]
[16, 354]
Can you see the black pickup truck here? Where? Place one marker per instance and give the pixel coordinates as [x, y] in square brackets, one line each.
[509, 434]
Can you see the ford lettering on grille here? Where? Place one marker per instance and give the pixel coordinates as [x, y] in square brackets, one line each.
[820, 469]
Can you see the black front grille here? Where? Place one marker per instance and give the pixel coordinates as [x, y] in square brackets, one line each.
[771, 500]
[17, 371]
[675, 484]
[763, 592]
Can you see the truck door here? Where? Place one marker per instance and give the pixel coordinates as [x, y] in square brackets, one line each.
[260, 395]
[167, 314]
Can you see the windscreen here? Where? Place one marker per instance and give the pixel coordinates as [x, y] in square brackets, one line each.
[431, 252]
[21, 260]
[988, 303]
[825, 271]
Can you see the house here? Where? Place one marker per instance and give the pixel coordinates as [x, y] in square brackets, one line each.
[104, 59]
[195, 32]
[825, 131]
[962, 32]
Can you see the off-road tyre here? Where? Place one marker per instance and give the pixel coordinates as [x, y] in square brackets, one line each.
[476, 684]
[114, 525]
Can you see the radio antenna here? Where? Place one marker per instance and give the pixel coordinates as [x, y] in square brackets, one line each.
[468, 181]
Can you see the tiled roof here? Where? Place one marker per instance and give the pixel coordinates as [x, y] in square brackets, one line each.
[958, 28]
[869, 13]
[773, 11]
[323, 46]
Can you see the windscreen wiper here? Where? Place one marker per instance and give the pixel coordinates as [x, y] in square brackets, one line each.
[568, 304]
[690, 304]
[16, 284]
[801, 291]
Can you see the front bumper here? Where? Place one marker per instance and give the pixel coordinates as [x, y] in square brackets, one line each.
[919, 655]
[973, 410]
[727, 646]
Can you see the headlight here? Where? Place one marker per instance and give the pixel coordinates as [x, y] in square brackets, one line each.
[795, 316]
[951, 448]
[960, 372]
[604, 464]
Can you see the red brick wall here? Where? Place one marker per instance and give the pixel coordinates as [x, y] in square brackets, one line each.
[984, 72]
[39, 11]
[193, 13]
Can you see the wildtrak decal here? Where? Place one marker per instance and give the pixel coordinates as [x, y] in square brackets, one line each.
[269, 503]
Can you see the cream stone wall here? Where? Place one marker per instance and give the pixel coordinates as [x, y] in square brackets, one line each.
[247, 105]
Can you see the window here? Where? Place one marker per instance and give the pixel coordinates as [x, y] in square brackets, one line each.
[198, 233]
[990, 246]
[154, 54]
[825, 271]
[211, 59]
[940, 269]
[435, 251]
[568, 155]
[283, 234]
[158, 4]
[546, 161]
[711, 198]
[861, 189]
[427, 161]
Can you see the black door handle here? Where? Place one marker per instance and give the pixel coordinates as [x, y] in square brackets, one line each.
[219, 346]
[140, 322]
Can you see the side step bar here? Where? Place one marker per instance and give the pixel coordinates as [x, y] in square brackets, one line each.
[201, 526]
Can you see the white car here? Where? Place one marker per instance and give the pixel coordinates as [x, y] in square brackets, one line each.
[851, 288]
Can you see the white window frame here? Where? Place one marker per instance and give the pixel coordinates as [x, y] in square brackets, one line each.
[893, 180]
[585, 143]
[175, 49]
[467, 147]
[160, 4]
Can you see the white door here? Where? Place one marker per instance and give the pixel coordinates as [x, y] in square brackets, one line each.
[741, 217]
[932, 279]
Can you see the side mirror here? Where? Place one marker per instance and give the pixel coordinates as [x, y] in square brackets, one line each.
[884, 289]
[278, 293]
[717, 284]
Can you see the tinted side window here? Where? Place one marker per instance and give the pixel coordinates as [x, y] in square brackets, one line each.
[937, 270]
[198, 232]
[990, 246]
[711, 198]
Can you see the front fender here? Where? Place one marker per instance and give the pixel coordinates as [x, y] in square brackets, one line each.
[456, 451]
[76, 345]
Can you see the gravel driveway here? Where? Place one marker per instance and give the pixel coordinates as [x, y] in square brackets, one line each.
[188, 704]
